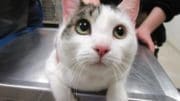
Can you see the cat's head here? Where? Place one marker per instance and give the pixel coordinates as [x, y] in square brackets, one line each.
[97, 37]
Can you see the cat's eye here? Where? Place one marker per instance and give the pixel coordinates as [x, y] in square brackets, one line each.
[119, 32]
[83, 27]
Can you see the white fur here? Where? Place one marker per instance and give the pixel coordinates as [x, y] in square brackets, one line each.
[77, 67]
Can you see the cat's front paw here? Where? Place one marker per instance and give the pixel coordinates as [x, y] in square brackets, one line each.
[117, 97]
[73, 99]
[120, 98]
[117, 92]
[66, 99]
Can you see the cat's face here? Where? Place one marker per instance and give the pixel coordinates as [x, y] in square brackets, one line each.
[97, 38]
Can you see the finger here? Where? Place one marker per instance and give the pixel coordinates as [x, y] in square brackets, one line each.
[151, 46]
[148, 41]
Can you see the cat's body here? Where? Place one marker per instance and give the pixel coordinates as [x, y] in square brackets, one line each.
[95, 48]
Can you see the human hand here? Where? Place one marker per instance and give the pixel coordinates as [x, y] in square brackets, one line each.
[144, 36]
[94, 2]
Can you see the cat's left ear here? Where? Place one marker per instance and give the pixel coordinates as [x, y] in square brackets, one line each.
[131, 7]
[70, 6]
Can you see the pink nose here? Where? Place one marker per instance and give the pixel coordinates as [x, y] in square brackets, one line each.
[101, 50]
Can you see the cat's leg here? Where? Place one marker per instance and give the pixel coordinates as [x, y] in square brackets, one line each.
[117, 92]
[60, 91]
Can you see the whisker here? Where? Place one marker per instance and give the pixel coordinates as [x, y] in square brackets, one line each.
[75, 73]
[115, 74]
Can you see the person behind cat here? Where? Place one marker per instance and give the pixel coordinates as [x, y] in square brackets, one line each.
[153, 13]
[152, 31]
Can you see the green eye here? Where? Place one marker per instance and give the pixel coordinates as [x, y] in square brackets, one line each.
[119, 32]
[83, 27]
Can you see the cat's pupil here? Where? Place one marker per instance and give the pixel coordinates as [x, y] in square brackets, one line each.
[119, 32]
[83, 27]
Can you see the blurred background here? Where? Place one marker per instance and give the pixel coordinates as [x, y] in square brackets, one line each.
[52, 11]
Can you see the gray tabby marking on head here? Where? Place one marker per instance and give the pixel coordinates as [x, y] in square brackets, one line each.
[89, 12]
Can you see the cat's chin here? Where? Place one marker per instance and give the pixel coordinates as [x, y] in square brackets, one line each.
[98, 64]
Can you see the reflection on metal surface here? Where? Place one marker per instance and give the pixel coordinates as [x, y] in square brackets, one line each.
[22, 73]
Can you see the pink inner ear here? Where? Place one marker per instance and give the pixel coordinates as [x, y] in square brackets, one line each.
[69, 6]
[131, 7]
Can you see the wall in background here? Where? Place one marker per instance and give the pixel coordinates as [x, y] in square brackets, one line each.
[169, 55]
[173, 32]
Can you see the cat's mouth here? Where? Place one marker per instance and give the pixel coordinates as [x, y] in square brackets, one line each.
[99, 63]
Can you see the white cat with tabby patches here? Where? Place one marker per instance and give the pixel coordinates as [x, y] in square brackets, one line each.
[95, 48]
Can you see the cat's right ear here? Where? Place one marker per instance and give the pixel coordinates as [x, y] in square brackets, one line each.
[69, 7]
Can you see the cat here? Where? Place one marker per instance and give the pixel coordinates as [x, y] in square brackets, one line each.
[94, 50]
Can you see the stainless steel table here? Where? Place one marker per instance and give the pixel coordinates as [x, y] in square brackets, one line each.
[22, 73]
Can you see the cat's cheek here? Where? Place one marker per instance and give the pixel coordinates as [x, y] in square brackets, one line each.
[117, 52]
[132, 46]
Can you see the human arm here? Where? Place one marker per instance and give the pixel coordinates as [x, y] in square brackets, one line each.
[154, 19]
